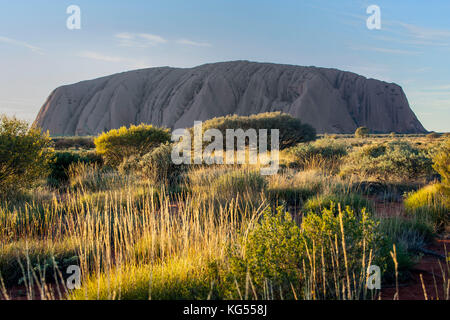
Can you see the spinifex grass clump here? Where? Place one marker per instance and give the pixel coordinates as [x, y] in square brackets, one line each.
[430, 204]
[325, 153]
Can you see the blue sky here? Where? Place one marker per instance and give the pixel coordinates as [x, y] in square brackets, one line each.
[38, 53]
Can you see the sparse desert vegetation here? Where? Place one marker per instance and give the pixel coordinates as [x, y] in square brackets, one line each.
[141, 227]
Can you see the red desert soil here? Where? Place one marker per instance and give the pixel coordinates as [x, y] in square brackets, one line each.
[432, 276]
[428, 266]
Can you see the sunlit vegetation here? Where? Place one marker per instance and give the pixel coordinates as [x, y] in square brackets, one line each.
[141, 227]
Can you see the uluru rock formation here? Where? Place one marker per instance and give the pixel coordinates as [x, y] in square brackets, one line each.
[330, 100]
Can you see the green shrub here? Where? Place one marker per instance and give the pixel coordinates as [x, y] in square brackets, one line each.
[25, 155]
[64, 143]
[119, 144]
[273, 252]
[63, 160]
[355, 201]
[392, 161]
[158, 167]
[362, 132]
[290, 261]
[293, 196]
[292, 130]
[433, 135]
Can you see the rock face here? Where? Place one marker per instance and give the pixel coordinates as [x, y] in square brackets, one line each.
[330, 100]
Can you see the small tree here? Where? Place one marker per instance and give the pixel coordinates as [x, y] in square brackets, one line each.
[25, 155]
[292, 131]
[119, 144]
[362, 132]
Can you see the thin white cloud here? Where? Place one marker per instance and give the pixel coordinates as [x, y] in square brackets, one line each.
[140, 40]
[425, 33]
[98, 56]
[21, 44]
[414, 35]
[126, 62]
[386, 50]
[444, 87]
[193, 43]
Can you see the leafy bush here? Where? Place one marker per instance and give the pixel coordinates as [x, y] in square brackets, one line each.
[355, 201]
[272, 252]
[292, 130]
[64, 143]
[433, 135]
[25, 155]
[119, 144]
[294, 195]
[158, 167]
[362, 132]
[388, 161]
[291, 261]
[63, 160]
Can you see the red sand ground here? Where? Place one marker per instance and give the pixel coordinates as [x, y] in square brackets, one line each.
[432, 275]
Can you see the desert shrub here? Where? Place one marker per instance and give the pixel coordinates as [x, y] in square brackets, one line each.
[292, 130]
[324, 152]
[295, 195]
[25, 155]
[63, 160]
[64, 143]
[362, 132]
[333, 231]
[355, 201]
[392, 161]
[431, 203]
[158, 167]
[433, 135]
[272, 253]
[291, 261]
[441, 162]
[119, 144]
